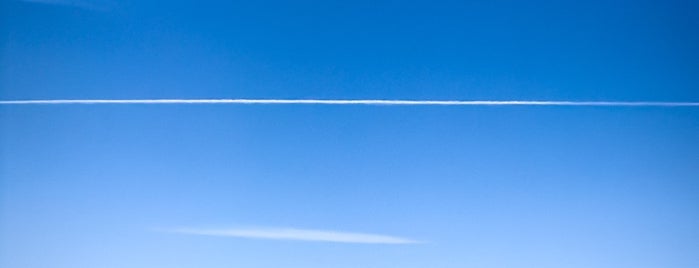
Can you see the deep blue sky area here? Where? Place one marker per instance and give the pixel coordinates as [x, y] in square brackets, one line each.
[477, 186]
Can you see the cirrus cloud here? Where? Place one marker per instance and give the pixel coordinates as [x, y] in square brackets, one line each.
[296, 234]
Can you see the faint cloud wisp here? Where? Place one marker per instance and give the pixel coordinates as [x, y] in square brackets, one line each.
[296, 234]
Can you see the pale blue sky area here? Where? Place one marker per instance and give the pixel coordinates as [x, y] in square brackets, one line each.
[106, 185]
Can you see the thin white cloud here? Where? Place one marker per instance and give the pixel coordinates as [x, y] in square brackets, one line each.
[296, 234]
[356, 102]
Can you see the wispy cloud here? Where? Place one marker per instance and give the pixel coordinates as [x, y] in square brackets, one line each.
[296, 234]
[355, 102]
[100, 5]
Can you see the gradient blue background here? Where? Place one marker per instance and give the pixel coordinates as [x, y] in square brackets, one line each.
[88, 185]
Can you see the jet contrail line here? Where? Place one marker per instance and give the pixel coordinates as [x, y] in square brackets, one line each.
[357, 102]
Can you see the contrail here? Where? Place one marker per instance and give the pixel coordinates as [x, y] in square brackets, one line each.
[297, 234]
[358, 102]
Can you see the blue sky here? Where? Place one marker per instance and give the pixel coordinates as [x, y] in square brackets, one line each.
[474, 186]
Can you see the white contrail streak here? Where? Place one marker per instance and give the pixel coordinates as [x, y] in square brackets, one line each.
[297, 234]
[357, 102]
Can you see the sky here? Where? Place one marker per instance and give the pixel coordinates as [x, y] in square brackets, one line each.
[305, 185]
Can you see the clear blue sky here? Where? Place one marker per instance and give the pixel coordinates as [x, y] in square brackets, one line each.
[94, 185]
